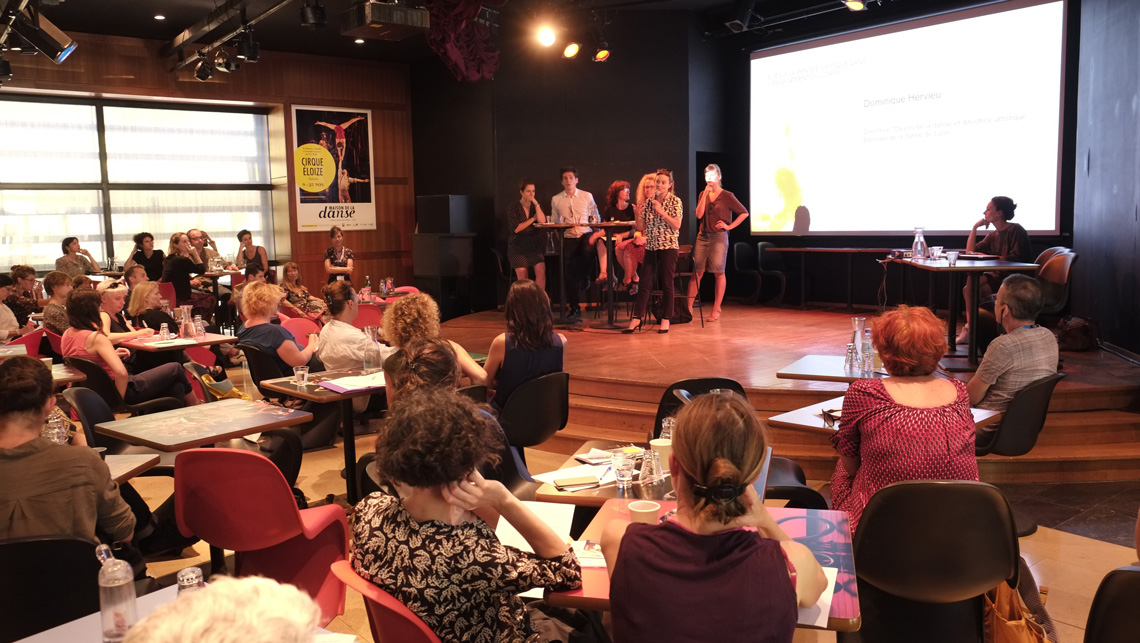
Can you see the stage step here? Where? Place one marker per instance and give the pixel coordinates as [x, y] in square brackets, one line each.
[1065, 463]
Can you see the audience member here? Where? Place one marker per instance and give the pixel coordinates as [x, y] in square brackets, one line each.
[135, 275]
[424, 362]
[405, 538]
[338, 259]
[722, 550]
[182, 260]
[250, 254]
[1024, 354]
[75, 260]
[259, 303]
[9, 328]
[58, 287]
[417, 315]
[342, 344]
[254, 273]
[250, 610]
[27, 296]
[49, 489]
[116, 326]
[207, 249]
[297, 296]
[529, 349]
[911, 426]
[79, 282]
[143, 254]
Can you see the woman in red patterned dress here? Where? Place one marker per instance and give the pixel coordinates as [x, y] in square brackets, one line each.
[912, 426]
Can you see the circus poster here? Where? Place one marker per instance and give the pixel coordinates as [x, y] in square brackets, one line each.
[332, 167]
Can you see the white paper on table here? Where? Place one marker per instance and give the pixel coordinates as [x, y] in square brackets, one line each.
[556, 516]
[359, 382]
[173, 342]
[333, 637]
[817, 614]
[604, 473]
[589, 553]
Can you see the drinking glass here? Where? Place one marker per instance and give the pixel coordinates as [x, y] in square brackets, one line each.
[300, 375]
[623, 464]
[667, 424]
[935, 252]
[952, 257]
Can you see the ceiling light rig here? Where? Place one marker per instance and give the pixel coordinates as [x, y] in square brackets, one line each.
[224, 62]
[204, 70]
[247, 48]
[313, 14]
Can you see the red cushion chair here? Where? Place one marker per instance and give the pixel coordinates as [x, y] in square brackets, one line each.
[56, 342]
[389, 619]
[300, 327]
[369, 315]
[166, 289]
[240, 501]
[31, 342]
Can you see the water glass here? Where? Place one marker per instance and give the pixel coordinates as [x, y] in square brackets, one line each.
[935, 252]
[623, 464]
[301, 375]
[667, 424]
[952, 257]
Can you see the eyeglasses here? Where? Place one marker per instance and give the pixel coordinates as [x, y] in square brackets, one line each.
[113, 284]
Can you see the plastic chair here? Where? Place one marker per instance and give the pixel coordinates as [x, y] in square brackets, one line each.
[681, 278]
[1113, 616]
[49, 581]
[368, 315]
[786, 481]
[920, 573]
[1055, 277]
[408, 289]
[503, 273]
[301, 328]
[477, 393]
[512, 472]
[195, 372]
[390, 620]
[240, 501]
[771, 264]
[1048, 254]
[55, 341]
[674, 397]
[745, 261]
[536, 410]
[166, 289]
[31, 342]
[99, 381]
[321, 431]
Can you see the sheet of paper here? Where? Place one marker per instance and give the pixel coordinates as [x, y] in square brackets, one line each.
[356, 382]
[173, 342]
[816, 615]
[333, 637]
[602, 472]
[589, 553]
[557, 516]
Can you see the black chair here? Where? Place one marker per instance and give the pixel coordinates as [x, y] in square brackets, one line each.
[48, 581]
[1055, 276]
[99, 381]
[745, 261]
[683, 275]
[196, 371]
[771, 264]
[1020, 425]
[503, 273]
[512, 472]
[1113, 616]
[535, 411]
[674, 397]
[321, 431]
[92, 409]
[477, 393]
[786, 481]
[921, 574]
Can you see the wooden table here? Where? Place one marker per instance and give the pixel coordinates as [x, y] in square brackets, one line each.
[125, 467]
[196, 426]
[965, 266]
[12, 350]
[825, 368]
[313, 393]
[826, 533]
[563, 317]
[598, 496]
[809, 419]
[850, 252]
[64, 374]
[153, 345]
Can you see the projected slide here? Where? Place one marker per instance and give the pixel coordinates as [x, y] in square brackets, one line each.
[914, 128]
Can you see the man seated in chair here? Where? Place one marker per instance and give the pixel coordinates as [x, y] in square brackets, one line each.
[1024, 354]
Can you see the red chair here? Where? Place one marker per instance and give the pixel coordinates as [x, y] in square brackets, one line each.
[368, 315]
[31, 342]
[240, 501]
[56, 342]
[407, 289]
[301, 328]
[391, 621]
[166, 289]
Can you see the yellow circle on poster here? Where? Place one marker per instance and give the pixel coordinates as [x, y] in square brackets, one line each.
[314, 168]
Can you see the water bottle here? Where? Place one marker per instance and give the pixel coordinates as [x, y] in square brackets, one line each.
[918, 249]
[116, 595]
[366, 291]
[190, 580]
[852, 359]
[389, 285]
[868, 353]
[199, 327]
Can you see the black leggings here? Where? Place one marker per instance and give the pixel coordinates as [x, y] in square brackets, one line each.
[664, 264]
[167, 380]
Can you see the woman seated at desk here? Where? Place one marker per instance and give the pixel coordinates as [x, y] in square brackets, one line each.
[414, 316]
[1008, 241]
[342, 344]
[723, 552]
[181, 261]
[911, 426]
[259, 303]
[529, 349]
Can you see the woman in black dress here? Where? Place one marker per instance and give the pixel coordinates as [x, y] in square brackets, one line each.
[146, 256]
[524, 247]
[181, 261]
[249, 253]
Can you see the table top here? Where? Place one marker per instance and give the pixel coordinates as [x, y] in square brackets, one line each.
[125, 467]
[154, 345]
[220, 273]
[824, 368]
[598, 496]
[108, 273]
[840, 250]
[826, 533]
[196, 426]
[560, 226]
[809, 419]
[314, 393]
[12, 350]
[968, 265]
[64, 374]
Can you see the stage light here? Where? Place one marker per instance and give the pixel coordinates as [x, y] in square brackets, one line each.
[160, 17]
[223, 62]
[312, 14]
[43, 35]
[603, 52]
[247, 48]
[571, 50]
[359, 41]
[546, 36]
[854, 5]
[204, 71]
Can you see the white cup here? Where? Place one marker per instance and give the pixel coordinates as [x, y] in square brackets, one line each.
[644, 511]
[663, 447]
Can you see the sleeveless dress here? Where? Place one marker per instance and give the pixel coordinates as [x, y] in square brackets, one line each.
[521, 365]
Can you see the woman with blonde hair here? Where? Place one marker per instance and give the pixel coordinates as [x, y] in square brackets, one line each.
[722, 550]
[632, 248]
[718, 211]
[259, 304]
[414, 316]
[297, 296]
[660, 217]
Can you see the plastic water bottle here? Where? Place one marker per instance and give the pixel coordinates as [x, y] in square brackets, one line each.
[116, 595]
[366, 291]
[868, 352]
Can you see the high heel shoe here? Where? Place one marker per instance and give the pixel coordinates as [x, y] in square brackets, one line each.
[663, 330]
[630, 331]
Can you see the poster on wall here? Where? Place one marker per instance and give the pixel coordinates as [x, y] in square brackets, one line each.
[332, 164]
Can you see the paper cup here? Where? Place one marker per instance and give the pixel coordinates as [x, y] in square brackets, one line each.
[644, 511]
[663, 447]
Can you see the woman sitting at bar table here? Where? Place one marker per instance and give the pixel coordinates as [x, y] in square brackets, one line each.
[297, 296]
[58, 287]
[912, 426]
[27, 295]
[146, 256]
[741, 576]
[181, 261]
[116, 326]
[529, 349]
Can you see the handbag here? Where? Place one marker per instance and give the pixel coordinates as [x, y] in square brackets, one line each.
[224, 390]
[1007, 620]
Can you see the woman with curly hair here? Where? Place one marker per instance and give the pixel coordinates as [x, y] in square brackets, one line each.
[619, 208]
[182, 260]
[417, 316]
[529, 349]
[297, 296]
[424, 540]
[722, 550]
[27, 295]
[145, 255]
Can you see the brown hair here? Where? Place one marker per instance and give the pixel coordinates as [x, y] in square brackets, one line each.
[25, 386]
[133, 269]
[83, 310]
[719, 446]
[172, 249]
[55, 279]
[20, 271]
[138, 298]
[427, 362]
[414, 315]
[669, 174]
[337, 295]
[528, 316]
[615, 189]
[81, 281]
[333, 230]
[433, 436]
[910, 340]
[285, 274]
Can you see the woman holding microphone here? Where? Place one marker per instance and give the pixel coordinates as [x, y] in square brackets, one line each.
[661, 219]
[718, 211]
[524, 245]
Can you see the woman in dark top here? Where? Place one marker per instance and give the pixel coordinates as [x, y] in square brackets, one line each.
[1009, 241]
[718, 211]
[259, 303]
[249, 254]
[338, 259]
[146, 256]
[181, 261]
[525, 243]
[619, 208]
[27, 293]
[529, 349]
[742, 577]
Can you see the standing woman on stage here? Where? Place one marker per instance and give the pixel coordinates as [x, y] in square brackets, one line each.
[338, 259]
[661, 218]
[718, 211]
[524, 245]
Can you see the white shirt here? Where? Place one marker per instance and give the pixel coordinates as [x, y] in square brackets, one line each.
[573, 209]
[9, 327]
[342, 346]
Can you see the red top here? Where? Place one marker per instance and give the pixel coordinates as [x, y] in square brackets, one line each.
[75, 345]
[895, 443]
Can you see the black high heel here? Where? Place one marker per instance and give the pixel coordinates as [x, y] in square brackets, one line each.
[630, 331]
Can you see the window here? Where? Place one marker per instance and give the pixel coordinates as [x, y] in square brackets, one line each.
[167, 170]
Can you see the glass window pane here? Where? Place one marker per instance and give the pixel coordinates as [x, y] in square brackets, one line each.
[221, 213]
[48, 143]
[34, 222]
[176, 146]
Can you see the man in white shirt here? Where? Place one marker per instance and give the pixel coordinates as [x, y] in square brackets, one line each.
[574, 206]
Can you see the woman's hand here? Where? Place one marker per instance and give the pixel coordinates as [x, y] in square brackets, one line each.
[657, 208]
[474, 491]
[29, 327]
[982, 224]
[721, 225]
[640, 240]
[123, 353]
[758, 517]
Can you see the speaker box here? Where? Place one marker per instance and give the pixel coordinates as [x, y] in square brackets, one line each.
[445, 213]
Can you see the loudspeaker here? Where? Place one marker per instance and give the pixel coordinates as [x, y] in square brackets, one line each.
[444, 213]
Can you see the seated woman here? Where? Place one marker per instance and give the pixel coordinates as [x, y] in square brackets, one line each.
[250, 254]
[912, 426]
[529, 349]
[143, 254]
[85, 338]
[145, 309]
[49, 489]
[58, 286]
[75, 260]
[406, 540]
[116, 326]
[181, 261]
[417, 315]
[9, 328]
[342, 344]
[297, 296]
[259, 303]
[27, 295]
[742, 577]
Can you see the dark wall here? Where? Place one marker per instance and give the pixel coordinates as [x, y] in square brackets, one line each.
[1107, 190]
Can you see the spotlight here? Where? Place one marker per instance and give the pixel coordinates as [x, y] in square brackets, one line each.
[223, 62]
[204, 71]
[603, 52]
[43, 35]
[359, 41]
[546, 36]
[855, 5]
[247, 48]
[571, 50]
[312, 14]
[5, 71]
[159, 17]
